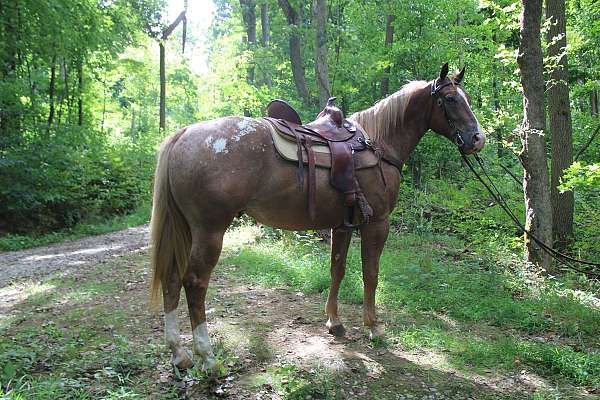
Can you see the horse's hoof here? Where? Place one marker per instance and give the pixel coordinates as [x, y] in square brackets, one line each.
[376, 333]
[337, 330]
[208, 364]
[182, 359]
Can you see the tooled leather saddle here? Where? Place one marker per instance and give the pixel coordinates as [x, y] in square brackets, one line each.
[345, 140]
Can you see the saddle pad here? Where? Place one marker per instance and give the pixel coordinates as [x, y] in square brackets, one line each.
[288, 150]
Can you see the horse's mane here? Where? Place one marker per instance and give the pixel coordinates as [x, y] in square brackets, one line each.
[387, 115]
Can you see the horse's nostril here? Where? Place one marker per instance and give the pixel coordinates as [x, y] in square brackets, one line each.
[476, 138]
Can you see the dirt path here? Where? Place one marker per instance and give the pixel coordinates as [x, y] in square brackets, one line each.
[40, 261]
[272, 341]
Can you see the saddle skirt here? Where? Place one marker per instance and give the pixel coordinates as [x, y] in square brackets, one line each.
[287, 146]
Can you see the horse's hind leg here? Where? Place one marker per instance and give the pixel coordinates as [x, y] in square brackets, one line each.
[340, 240]
[206, 248]
[171, 290]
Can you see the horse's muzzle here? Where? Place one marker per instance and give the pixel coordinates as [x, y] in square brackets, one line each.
[470, 143]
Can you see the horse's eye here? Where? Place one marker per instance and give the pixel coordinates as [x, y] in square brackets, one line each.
[451, 99]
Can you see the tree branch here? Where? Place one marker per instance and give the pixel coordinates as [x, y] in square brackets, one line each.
[589, 142]
[172, 27]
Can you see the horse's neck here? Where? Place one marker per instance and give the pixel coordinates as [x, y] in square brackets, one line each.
[410, 127]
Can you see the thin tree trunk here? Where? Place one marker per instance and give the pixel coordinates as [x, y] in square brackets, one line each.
[319, 19]
[103, 105]
[538, 213]
[295, 50]
[9, 118]
[594, 103]
[163, 88]
[559, 108]
[249, 17]
[389, 40]
[80, 93]
[65, 92]
[264, 25]
[265, 38]
[51, 90]
[162, 71]
[496, 96]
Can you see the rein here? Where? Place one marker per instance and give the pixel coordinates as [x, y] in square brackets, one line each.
[562, 258]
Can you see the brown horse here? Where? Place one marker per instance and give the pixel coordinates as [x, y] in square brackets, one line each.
[208, 173]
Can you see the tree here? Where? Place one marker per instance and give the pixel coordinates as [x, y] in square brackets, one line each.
[319, 20]
[389, 40]
[559, 108]
[538, 215]
[163, 85]
[295, 49]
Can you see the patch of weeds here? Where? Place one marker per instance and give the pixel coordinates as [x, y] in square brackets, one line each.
[292, 383]
[466, 351]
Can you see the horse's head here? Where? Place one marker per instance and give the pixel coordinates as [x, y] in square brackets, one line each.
[452, 115]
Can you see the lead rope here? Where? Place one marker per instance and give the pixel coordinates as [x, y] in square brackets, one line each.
[564, 259]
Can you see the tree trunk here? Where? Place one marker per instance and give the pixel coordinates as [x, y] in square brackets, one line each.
[594, 103]
[559, 108]
[265, 38]
[163, 88]
[51, 90]
[389, 40]
[538, 214]
[249, 17]
[319, 19]
[496, 96]
[9, 103]
[295, 50]
[80, 93]
[162, 71]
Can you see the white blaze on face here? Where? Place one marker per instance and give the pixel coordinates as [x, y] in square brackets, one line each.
[480, 134]
[202, 345]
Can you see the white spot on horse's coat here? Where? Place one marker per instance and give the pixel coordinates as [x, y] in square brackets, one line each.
[208, 140]
[220, 145]
[245, 126]
[202, 346]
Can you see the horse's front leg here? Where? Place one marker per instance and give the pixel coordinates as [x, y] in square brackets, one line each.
[340, 241]
[373, 237]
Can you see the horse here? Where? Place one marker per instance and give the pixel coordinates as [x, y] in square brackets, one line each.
[210, 172]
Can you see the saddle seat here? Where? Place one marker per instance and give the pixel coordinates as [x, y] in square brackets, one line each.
[329, 141]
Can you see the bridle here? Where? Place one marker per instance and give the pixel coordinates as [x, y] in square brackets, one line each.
[436, 87]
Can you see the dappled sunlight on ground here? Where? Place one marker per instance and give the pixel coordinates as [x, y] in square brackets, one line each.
[89, 327]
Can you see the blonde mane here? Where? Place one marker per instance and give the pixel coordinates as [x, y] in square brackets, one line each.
[387, 115]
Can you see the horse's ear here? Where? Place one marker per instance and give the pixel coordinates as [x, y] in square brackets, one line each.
[444, 72]
[459, 77]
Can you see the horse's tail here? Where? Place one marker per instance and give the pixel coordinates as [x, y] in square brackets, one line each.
[170, 235]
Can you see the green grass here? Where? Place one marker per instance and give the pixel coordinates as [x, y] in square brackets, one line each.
[472, 309]
[88, 335]
[140, 216]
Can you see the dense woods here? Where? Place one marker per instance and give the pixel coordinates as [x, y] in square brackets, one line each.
[81, 90]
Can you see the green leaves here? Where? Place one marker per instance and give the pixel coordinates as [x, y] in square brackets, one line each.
[581, 176]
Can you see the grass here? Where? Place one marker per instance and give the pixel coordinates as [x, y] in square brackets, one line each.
[140, 216]
[457, 316]
[473, 310]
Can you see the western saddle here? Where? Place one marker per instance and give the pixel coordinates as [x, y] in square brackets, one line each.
[347, 143]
